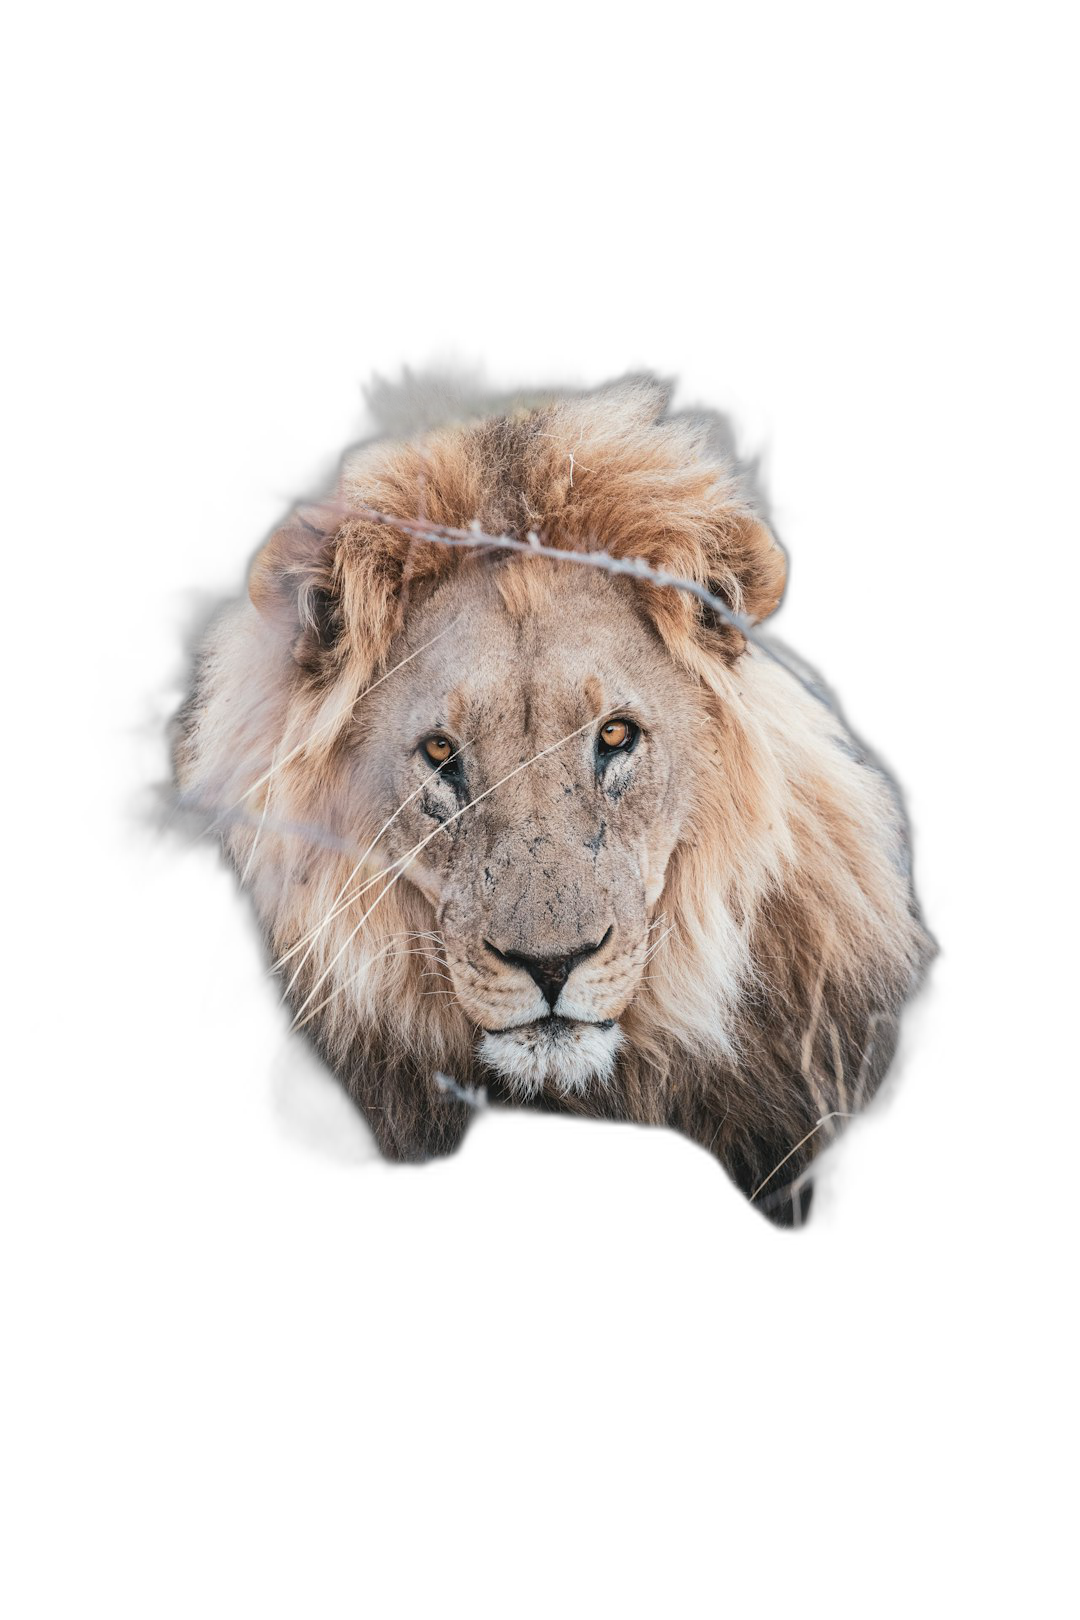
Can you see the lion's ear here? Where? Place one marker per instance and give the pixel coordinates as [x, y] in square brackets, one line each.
[750, 568]
[295, 581]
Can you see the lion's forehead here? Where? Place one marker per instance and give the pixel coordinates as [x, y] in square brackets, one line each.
[579, 651]
[533, 707]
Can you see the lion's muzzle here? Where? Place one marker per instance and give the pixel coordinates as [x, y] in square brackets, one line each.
[550, 973]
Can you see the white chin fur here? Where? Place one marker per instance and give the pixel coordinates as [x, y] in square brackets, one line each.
[565, 1056]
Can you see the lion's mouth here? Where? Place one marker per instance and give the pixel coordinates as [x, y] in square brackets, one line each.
[553, 1022]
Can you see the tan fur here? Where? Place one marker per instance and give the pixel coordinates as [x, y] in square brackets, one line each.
[744, 866]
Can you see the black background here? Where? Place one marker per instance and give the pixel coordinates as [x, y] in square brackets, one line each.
[233, 1167]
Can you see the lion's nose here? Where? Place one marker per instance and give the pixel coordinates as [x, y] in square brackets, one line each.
[549, 972]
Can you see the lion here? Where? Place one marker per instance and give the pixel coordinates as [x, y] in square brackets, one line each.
[556, 835]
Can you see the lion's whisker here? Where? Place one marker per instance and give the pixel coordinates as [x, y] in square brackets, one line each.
[405, 933]
[655, 946]
[361, 972]
[330, 916]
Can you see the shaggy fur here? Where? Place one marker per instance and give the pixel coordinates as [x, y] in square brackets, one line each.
[729, 899]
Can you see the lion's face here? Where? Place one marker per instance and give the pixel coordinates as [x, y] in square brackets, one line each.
[547, 705]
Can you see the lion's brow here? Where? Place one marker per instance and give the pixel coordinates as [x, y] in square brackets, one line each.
[591, 688]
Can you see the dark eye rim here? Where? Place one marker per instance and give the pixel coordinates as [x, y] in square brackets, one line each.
[451, 765]
[610, 750]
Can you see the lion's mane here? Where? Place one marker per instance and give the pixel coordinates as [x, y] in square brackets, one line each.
[792, 935]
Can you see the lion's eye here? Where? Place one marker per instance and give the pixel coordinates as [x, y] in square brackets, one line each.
[617, 735]
[438, 749]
